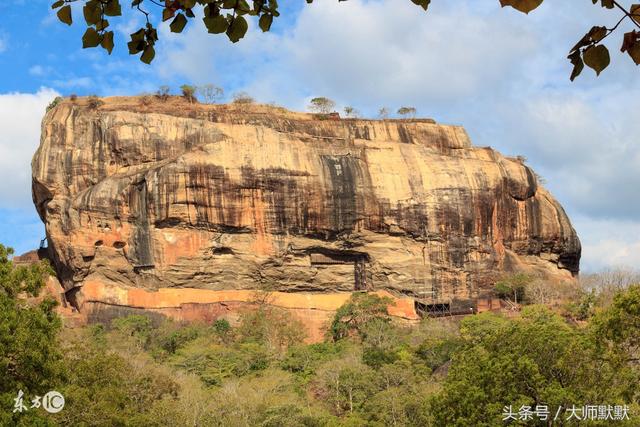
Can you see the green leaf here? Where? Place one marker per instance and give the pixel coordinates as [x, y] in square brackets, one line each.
[422, 3]
[92, 12]
[631, 45]
[167, 14]
[237, 29]
[138, 35]
[242, 7]
[635, 12]
[148, 54]
[524, 6]
[598, 33]
[217, 24]
[178, 23]
[107, 42]
[634, 53]
[64, 15]
[91, 38]
[210, 11]
[57, 4]
[188, 4]
[609, 4]
[265, 22]
[258, 6]
[578, 64]
[102, 24]
[594, 35]
[597, 57]
[136, 46]
[151, 33]
[113, 8]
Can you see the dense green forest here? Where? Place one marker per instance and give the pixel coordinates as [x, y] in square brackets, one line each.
[369, 371]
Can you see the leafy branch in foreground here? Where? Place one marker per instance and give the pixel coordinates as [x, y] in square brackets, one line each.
[229, 17]
[590, 50]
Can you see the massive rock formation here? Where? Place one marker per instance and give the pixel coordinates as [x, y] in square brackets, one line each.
[162, 204]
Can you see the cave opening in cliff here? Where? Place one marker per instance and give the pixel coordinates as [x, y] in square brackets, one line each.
[71, 297]
[223, 250]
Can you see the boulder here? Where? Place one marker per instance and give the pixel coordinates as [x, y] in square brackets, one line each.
[187, 202]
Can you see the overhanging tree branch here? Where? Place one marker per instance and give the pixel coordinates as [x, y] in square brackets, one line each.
[230, 18]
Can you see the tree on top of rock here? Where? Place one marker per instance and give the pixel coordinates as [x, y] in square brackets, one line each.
[210, 93]
[188, 92]
[322, 105]
[407, 112]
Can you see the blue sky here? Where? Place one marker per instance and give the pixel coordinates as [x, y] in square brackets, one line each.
[501, 74]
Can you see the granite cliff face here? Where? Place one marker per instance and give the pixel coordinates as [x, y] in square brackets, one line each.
[160, 205]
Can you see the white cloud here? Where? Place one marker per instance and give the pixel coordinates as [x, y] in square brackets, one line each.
[3, 44]
[131, 25]
[389, 51]
[587, 150]
[39, 71]
[36, 70]
[74, 82]
[608, 243]
[20, 117]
